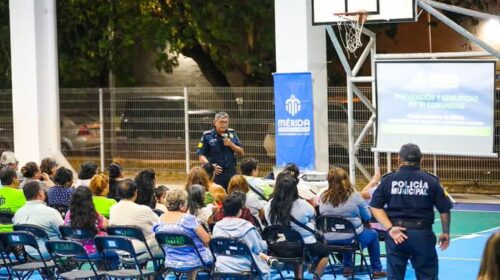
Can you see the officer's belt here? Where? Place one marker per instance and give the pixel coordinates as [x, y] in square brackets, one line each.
[411, 224]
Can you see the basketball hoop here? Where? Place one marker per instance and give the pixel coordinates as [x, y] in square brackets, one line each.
[351, 26]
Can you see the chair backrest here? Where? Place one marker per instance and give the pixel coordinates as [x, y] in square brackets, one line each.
[114, 243]
[174, 240]
[65, 248]
[127, 231]
[19, 238]
[158, 212]
[177, 241]
[6, 218]
[69, 233]
[62, 208]
[37, 231]
[231, 247]
[284, 242]
[334, 224]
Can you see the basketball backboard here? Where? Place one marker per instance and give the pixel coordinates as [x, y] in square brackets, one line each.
[378, 11]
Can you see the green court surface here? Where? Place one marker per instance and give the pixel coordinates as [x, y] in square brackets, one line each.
[465, 222]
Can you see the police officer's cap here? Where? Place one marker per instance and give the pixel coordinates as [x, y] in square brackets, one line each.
[410, 153]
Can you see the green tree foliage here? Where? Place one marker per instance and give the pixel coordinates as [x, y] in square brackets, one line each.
[224, 37]
[95, 37]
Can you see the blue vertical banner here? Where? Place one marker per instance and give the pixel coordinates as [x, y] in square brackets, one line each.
[294, 120]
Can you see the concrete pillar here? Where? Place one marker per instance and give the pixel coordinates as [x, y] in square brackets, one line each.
[35, 85]
[301, 47]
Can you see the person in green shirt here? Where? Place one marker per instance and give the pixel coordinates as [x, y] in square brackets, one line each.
[99, 187]
[250, 170]
[11, 198]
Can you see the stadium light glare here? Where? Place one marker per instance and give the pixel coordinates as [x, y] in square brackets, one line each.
[492, 31]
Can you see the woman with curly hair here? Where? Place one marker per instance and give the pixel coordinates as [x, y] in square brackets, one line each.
[82, 215]
[341, 199]
[198, 176]
[100, 188]
[60, 194]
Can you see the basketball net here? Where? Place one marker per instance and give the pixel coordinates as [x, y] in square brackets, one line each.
[350, 30]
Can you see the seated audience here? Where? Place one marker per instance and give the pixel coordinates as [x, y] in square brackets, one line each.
[99, 187]
[490, 262]
[250, 170]
[341, 199]
[128, 213]
[12, 198]
[216, 191]
[196, 207]
[305, 191]
[36, 212]
[178, 221]
[60, 194]
[87, 171]
[160, 196]
[255, 205]
[31, 172]
[245, 212]
[146, 182]
[49, 166]
[115, 172]
[287, 209]
[82, 215]
[234, 227]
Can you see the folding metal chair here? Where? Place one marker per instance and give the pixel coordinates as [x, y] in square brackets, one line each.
[337, 224]
[287, 245]
[231, 247]
[61, 251]
[25, 270]
[119, 245]
[136, 233]
[180, 241]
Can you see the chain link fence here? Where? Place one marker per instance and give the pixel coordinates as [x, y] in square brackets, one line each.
[146, 128]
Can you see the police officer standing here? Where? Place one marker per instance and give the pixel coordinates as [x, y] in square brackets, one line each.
[219, 146]
[410, 196]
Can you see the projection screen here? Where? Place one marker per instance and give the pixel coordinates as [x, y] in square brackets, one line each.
[446, 107]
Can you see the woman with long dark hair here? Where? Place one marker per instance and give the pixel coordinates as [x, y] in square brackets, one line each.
[196, 206]
[146, 181]
[115, 172]
[287, 209]
[341, 199]
[82, 215]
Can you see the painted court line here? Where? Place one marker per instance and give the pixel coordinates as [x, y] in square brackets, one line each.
[475, 235]
[460, 259]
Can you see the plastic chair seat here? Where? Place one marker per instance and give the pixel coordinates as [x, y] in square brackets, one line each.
[232, 275]
[128, 273]
[80, 274]
[32, 266]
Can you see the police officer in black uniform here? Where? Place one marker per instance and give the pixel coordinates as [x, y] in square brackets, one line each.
[410, 196]
[219, 146]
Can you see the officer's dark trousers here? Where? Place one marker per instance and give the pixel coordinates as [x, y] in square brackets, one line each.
[419, 248]
[223, 179]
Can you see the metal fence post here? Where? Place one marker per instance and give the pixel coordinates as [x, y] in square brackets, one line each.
[101, 126]
[186, 128]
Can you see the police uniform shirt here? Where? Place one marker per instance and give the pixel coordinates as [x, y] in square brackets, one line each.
[411, 193]
[212, 147]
